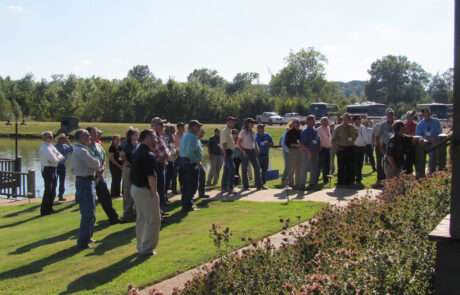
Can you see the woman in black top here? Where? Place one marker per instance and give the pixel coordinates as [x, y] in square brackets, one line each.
[115, 165]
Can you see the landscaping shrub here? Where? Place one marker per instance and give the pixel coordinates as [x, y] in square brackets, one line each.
[371, 246]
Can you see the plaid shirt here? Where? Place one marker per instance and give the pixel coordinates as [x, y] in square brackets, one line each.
[160, 151]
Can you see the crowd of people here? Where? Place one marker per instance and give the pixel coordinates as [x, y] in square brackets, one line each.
[167, 158]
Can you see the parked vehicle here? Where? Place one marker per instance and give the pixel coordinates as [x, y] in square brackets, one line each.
[442, 111]
[269, 118]
[368, 110]
[323, 109]
[288, 117]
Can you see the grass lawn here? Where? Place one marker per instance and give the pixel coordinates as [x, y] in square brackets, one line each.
[109, 129]
[277, 162]
[38, 254]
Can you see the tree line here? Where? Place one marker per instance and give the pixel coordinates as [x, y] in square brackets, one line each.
[208, 97]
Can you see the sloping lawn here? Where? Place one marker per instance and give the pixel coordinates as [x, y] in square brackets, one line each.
[38, 254]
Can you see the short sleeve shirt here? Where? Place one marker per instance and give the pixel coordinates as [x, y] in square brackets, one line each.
[116, 154]
[397, 148]
[384, 132]
[143, 165]
[310, 138]
[227, 138]
[248, 139]
[128, 149]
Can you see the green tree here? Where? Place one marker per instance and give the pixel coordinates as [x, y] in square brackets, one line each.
[206, 76]
[394, 79]
[241, 80]
[438, 89]
[304, 74]
[141, 73]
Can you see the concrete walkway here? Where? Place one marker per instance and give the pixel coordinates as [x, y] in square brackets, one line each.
[334, 196]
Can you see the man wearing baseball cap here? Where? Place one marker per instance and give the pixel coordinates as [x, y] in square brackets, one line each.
[228, 146]
[191, 157]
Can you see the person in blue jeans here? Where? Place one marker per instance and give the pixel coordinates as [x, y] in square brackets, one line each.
[310, 144]
[84, 166]
[227, 144]
[264, 143]
[63, 146]
[247, 144]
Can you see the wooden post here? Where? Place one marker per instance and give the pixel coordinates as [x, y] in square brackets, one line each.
[442, 152]
[31, 183]
[420, 160]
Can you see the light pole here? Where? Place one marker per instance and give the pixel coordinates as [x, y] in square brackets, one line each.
[16, 134]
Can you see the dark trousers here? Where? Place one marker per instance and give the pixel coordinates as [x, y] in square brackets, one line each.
[345, 165]
[324, 163]
[160, 169]
[255, 164]
[237, 162]
[201, 181]
[61, 178]
[174, 182]
[410, 160]
[263, 163]
[228, 175]
[189, 176]
[116, 181]
[358, 159]
[105, 199]
[369, 152]
[50, 180]
[380, 172]
[171, 177]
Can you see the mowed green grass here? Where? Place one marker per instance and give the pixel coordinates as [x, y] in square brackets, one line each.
[36, 128]
[39, 256]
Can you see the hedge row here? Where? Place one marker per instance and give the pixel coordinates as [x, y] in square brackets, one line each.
[371, 246]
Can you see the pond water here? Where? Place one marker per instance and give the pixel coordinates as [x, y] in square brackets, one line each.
[28, 149]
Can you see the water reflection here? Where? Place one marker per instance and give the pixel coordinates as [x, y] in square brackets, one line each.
[28, 149]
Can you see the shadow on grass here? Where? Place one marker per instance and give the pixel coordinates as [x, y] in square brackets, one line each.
[114, 240]
[27, 210]
[37, 266]
[52, 240]
[105, 275]
[35, 217]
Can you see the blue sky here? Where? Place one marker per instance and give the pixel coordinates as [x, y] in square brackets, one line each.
[107, 38]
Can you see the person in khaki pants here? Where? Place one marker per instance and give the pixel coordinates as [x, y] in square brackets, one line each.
[144, 193]
[127, 153]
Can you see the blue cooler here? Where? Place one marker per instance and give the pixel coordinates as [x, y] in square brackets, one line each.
[273, 174]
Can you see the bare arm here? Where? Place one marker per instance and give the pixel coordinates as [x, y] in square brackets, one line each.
[114, 162]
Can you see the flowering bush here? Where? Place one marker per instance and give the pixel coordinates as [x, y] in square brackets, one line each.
[371, 246]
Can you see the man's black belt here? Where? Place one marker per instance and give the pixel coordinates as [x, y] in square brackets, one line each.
[86, 177]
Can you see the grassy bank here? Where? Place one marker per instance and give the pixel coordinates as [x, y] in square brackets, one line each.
[39, 256]
[35, 129]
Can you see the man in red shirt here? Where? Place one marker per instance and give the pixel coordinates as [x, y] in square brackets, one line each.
[410, 125]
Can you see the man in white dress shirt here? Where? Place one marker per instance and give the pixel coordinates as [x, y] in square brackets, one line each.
[358, 148]
[49, 159]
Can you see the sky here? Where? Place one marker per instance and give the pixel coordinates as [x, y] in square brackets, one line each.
[106, 38]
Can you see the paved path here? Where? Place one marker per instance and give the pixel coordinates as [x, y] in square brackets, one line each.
[334, 196]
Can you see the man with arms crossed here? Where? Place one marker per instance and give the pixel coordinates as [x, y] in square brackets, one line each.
[144, 193]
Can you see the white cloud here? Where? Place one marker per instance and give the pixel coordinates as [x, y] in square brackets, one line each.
[15, 8]
[116, 60]
[86, 62]
[382, 28]
[329, 48]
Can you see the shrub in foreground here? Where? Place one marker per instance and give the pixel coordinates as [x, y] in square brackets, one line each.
[371, 246]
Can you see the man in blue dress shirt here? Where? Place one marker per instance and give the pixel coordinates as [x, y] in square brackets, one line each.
[264, 142]
[63, 146]
[310, 144]
[430, 128]
[191, 153]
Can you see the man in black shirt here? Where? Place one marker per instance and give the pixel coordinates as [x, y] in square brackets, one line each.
[144, 193]
[292, 141]
[397, 148]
